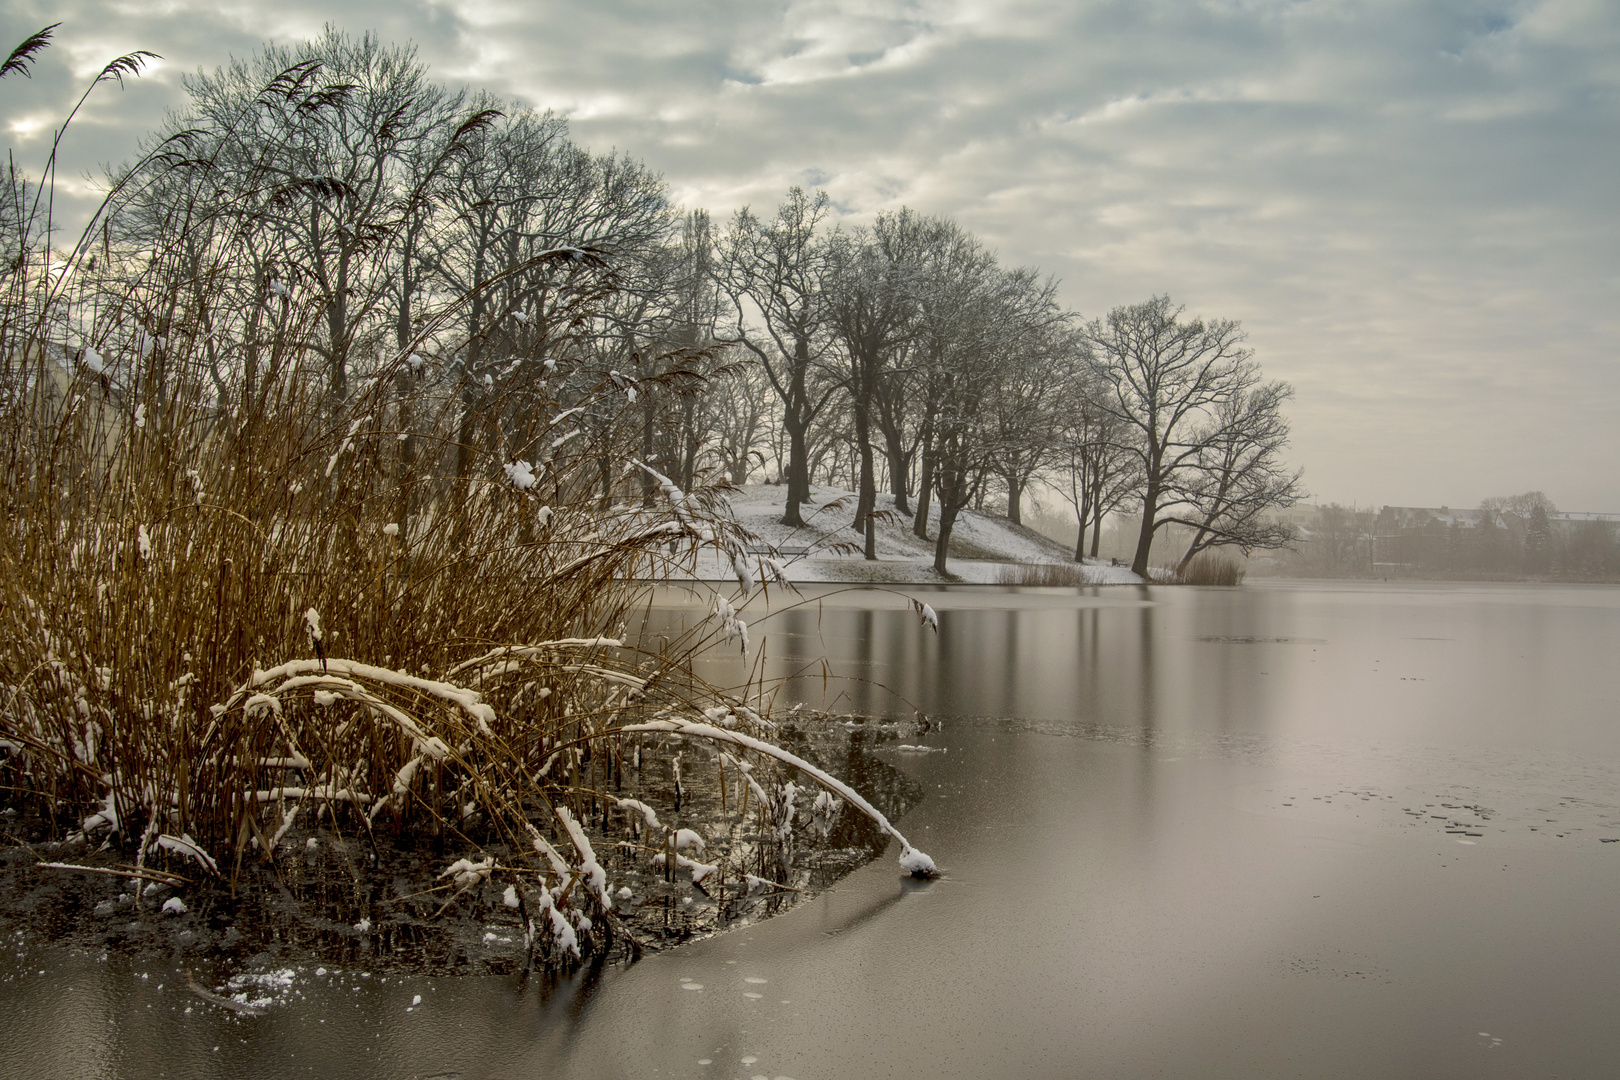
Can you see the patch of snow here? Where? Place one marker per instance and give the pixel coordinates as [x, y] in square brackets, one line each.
[982, 545]
[595, 877]
[521, 473]
[465, 872]
[917, 863]
[913, 861]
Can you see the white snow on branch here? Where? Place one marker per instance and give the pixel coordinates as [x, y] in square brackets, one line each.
[594, 876]
[465, 872]
[521, 473]
[700, 870]
[913, 861]
[647, 812]
[185, 845]
[469, 701]
[507, 652]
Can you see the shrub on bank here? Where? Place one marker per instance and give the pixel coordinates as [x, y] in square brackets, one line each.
[1211, 568]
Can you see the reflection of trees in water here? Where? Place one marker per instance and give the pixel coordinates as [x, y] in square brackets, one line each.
[854, 838]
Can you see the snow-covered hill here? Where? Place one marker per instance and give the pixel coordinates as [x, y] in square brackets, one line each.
[983, 547]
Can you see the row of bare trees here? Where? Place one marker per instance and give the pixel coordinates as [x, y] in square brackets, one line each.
[910, 342]
[332, 198]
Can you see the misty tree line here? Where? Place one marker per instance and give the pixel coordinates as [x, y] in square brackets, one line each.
[1505, 535]
[331, 198]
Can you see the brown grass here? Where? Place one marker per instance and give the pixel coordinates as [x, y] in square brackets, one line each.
[1052, 575]
[1212, 568]
[182, 514]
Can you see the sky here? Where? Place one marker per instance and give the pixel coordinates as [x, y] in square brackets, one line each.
[1412, 207]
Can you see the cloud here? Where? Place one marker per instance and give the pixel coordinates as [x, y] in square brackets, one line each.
[1408, 205]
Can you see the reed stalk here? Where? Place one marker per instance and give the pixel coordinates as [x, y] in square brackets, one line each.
[236, 596]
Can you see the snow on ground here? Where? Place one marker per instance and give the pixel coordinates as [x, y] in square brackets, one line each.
[983, 547]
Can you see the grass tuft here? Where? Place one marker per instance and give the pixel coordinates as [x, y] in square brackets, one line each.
[1055, 575]
[1210, 568]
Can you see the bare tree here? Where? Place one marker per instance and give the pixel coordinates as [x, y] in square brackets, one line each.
[1098, 471]
[336, 121]
[773, 273]
[1029, 411]
[1007, 319]
[732, 416]
[873, 285]
[951, 328]
[1165, 378]
[1240, 478]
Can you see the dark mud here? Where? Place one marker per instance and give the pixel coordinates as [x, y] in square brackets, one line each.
[340, 897]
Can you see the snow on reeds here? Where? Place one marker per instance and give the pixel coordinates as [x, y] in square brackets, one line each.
[238, 595]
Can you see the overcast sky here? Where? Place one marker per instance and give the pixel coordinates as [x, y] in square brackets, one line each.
[1413, 208]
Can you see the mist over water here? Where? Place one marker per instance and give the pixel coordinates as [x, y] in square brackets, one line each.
[1288, 829]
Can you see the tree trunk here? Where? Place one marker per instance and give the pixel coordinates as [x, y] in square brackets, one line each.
[1015, 500]
[1096, 515]
[1144, 539]
[337, 331]
[605, 472]
[899, 470]
[942, 546]
[925, 483]
[1085, 513]
[649, 452]
[689, 444]
[866, 500]
[798, 477]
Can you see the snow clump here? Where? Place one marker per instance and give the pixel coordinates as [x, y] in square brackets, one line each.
[521, 473]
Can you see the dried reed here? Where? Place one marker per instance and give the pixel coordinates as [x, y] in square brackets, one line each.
[1211, 568]
[237, 595]
[1051, 575]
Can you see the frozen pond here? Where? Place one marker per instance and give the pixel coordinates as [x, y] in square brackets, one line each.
[1293, 829]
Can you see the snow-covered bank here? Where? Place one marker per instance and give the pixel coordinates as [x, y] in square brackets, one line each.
[983, 547]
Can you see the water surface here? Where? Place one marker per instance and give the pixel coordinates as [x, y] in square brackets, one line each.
[1284, 830]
